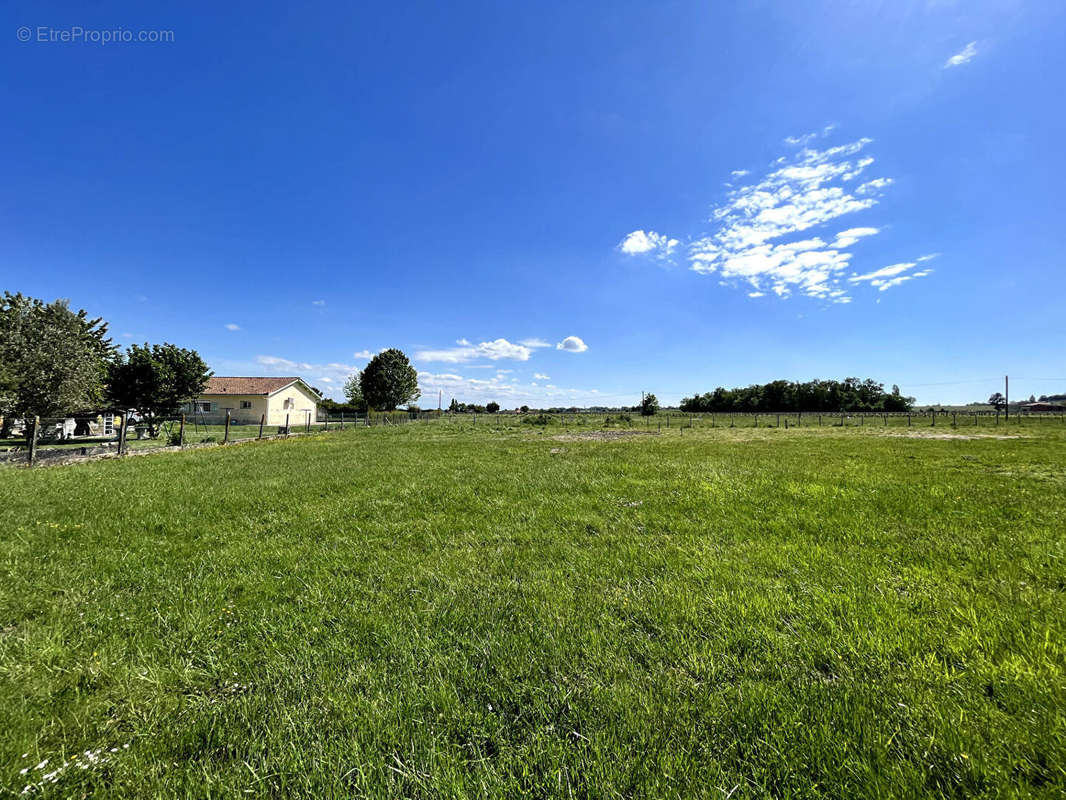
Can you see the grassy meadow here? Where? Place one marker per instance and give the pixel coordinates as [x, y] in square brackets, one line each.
[447, 609]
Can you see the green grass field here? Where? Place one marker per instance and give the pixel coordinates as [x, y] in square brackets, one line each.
[453, 610]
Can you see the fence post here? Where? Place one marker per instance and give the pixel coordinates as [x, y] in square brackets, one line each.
[124, 423]
[307, 425]
[262, 421]
[181, 432]
[779, 420]
[342, 420]
[33, 440]
[225, 438]
[954, 420]
[286, 424]
[327, 420]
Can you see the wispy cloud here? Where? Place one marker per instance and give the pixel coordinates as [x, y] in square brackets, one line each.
[535, 343]
[648, 242]
[892, 275]
[232, 326]
[466, 351]
[503, 389]
[762, 236]
[572, 344]
[328, 373]
[318, 302]
[964, 56]
[811, 189]
[540, 376]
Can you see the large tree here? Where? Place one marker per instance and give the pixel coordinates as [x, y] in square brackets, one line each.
[53, 361]
[389, 381]
[154, 380]
[649, 405]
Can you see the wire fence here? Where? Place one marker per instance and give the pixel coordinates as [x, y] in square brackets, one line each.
[35, 440]
[80, 436]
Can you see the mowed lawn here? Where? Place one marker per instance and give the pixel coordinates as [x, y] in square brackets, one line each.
[438, 610]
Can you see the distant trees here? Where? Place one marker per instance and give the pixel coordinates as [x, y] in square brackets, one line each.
[155, 380]
[649, 406]
[389, 381]
[997, 401]
[493, 407]
[850, 394]
[52, 360]
[353, 392]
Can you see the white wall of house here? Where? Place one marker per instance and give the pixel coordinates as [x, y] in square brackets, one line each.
[244, 409]
[296, 401]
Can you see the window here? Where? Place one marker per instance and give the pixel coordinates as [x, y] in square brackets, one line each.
[289, 403]
[203, 407]
[246, 403]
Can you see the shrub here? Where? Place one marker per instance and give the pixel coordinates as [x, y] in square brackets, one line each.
[539, 419]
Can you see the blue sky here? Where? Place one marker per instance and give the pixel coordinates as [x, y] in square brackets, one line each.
[552, 203]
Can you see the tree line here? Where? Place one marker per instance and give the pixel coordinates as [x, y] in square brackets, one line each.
[851, 394]
[58, 362]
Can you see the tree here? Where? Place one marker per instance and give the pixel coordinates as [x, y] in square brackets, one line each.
[389, 380]
[453, 407]
[493, 407]
[52, 360]
[649, 405]
[524, 409]
[155, 380]
[353, 391]
[997, 401]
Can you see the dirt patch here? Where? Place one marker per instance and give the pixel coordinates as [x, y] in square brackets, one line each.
[931, 435]
[590, 436]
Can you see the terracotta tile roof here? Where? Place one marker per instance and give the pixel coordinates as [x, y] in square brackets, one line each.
[230, 385]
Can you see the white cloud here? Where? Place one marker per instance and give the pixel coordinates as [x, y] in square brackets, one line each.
[884, 272]
[892, 275]
[739, 173]
[851, 236]
[540, 376]
[232, 326]
[465, 351]
[640, 242]
[535, 343]
[318, 302]
[572, 344]
[769, 234]
[964, 56]
[754, 243]
[365, 355]
[929, 257]
[507, 391]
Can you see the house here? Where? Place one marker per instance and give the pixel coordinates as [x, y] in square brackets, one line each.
[249, 399]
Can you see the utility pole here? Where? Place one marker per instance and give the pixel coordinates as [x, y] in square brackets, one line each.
[1006, 398]
[440, 396]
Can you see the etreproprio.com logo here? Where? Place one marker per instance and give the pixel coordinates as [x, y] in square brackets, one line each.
[76, 34]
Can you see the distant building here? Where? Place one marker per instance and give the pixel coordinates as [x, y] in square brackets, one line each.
[1043, 407]
[249, 399]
